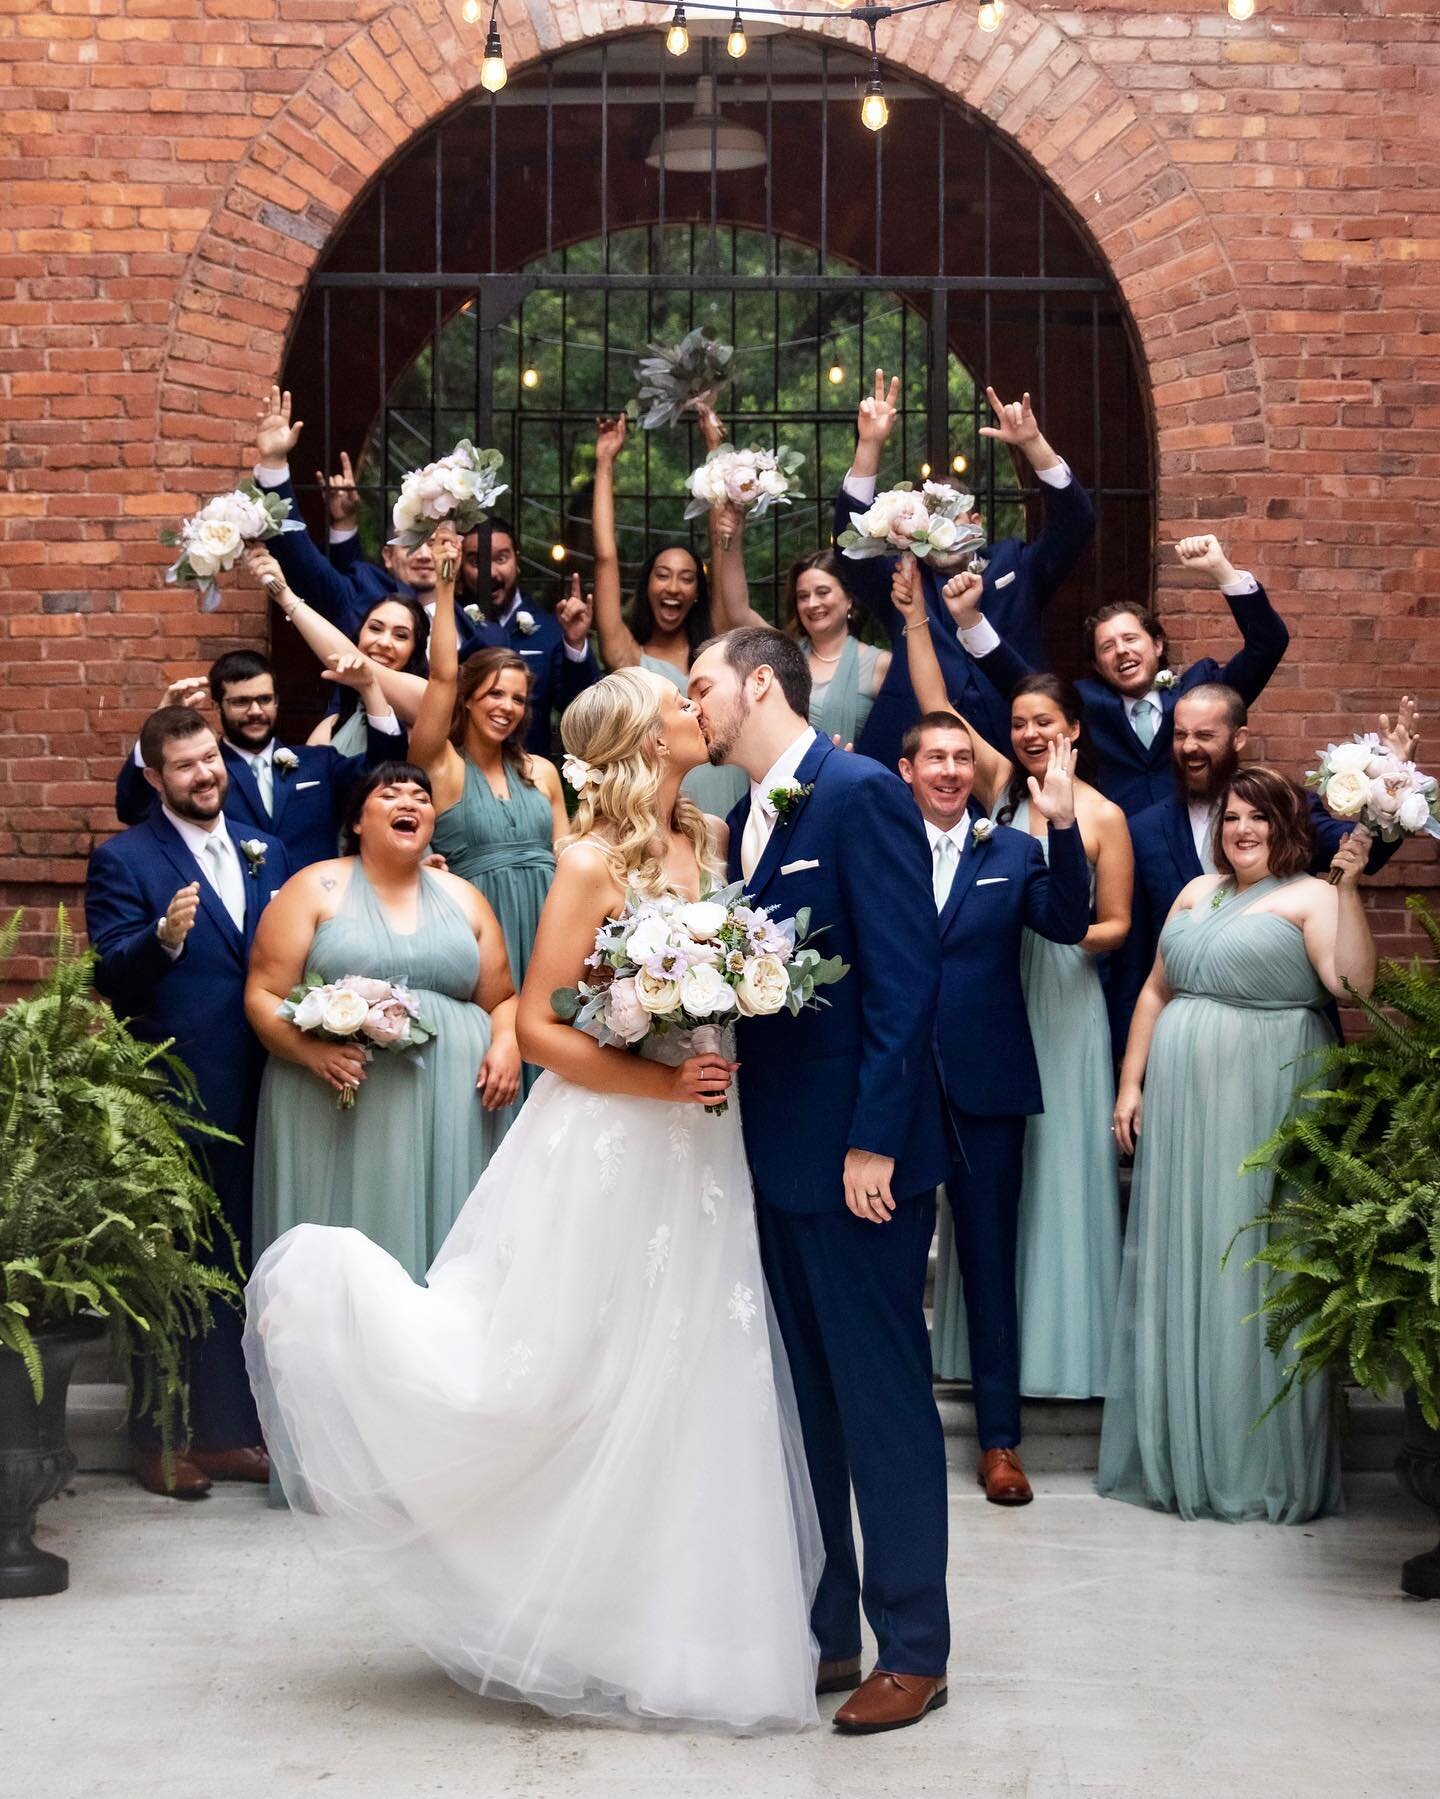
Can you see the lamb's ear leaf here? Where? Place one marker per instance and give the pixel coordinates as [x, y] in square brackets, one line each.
[565, 1003]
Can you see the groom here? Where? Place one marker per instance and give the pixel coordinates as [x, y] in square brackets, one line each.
[842, 1118]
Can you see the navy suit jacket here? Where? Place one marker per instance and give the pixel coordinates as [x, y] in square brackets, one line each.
[1020, 578]
[196, 997]
[556, 678]
[309, 801]
[982, 1036]
[858, 1073]
[1126, 771]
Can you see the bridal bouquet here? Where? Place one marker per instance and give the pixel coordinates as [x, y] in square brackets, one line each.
[377, 1014]
[933, 525]
[456, 489]
[1365, 780]
[674, 377]
[754, 480]
[212, 540]
[668, 965]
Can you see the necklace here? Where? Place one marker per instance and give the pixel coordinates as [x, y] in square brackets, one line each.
[815, 655]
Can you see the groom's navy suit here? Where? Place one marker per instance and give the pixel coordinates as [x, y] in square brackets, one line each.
[992, 1081]
[848, 1295]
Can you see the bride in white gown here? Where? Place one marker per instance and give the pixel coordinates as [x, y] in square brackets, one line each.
[569, 1467]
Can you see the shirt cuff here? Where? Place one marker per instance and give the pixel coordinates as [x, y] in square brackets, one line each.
[1243, 583]
[860, 487]
[388, 726]
[978, 640]
[344, 536]
[136, 757]
[580, 655]
[171, 949]
[1059, 476]
[271, 477]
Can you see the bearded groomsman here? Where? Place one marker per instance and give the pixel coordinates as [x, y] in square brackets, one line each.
[171, 907]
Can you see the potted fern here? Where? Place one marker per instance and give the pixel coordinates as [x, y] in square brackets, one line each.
[1353, 1226]
[106, 1220]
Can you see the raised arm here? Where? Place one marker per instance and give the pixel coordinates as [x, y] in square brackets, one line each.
[961, 594]
[1264, 636]
[618, 648]
[1069, 518]
[430, 746]
[874, 422]
[730, 605]
[1337, 933]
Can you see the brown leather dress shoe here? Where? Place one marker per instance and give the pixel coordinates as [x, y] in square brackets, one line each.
[890, 1701]
[1003, 1478]
[838, 1677]
[186, 1480]
[233, 1464]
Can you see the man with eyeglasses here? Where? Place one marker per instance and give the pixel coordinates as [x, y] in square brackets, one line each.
[294, 792]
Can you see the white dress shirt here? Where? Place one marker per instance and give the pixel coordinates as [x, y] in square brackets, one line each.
[219, 868]
[1200, 817]
[761, 820]
[956, 835]
[979, 639]
[862, 487]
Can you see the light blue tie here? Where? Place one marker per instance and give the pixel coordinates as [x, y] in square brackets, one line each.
[1145, 722]
[947, 860]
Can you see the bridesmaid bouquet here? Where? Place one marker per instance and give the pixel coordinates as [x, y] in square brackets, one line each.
[754, 480]
[668, 965]
[675, 377]
[933, 525]
[454, 490]
[1365, 780]
[212, 540]
[378, 1014]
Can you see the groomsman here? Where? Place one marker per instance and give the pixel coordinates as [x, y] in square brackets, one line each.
[171, 907]
[1020, 578]
[1129, 707]
[298, 791]
[989, 884]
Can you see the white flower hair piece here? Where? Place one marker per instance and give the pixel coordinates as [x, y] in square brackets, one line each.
[578, 772]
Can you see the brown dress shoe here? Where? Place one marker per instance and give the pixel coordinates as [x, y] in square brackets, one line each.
[838, 1677]
[890, 1701]
[1003, 1478]
[186, 1480]
[233, 1464]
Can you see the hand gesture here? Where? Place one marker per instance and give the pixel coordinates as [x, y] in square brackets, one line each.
[1055, 800]
[436, 861]
[339, 1065]
[1014, 421]
[350, 669]
[575, 614]
[1403, 737]
[867, 1185]
[907, 592]
[1204, 555]
[174, 927]
[446, 548]
[499, 1078]
[701, 1080]
[840, 743]
[878, 411]
[1129, 1104]
[712, 428]
[342, 500]
[962, 594]
[266, 570]
[275, 436]
[1349, 860]
[610, 439]
[729, 523]
[189, 690]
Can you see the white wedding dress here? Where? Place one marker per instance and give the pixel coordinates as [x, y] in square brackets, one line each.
[569, 1467]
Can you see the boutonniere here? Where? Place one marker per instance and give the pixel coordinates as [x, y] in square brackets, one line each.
[286, 761]
[1166, 679]
[525, 623]
[253, 850]
[787, 796]
[983, 830]
[472, 613]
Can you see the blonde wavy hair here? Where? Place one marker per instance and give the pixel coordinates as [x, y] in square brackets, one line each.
[615, 727]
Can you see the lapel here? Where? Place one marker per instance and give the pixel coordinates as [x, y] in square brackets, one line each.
[784, 833]
[1182, 843]
[970, 859]
[174, 848]
[243, 800]
[281, 786]
[257, 895]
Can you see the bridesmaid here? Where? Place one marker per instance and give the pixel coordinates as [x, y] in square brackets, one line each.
[670, 615]
[400, 1164]
[1068, 1255]
[845, 674]
[1233, 1005]
[499, 808]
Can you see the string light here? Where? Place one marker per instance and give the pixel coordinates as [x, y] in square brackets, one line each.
[530, 377]
[993, 11]
[470, 12]
[557, 552]
[737, 43]
[1240, 9]
[960, 464]
[835, 374]
[874, 110]
[677, 38]
[924, 471]
[493, 75]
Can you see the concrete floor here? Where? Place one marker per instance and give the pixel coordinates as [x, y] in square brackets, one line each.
[1099, 1650]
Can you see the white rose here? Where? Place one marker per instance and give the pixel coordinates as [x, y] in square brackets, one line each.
[657, 994]
[1385, 799]
[702, 919]
[742, 485]
[874, 523]
[911, 518]
[345, 1013]
[624, 1014]
[773, 482]
[1414, 812]
[942, 533]
[311, 1010]
[248, 516]
[764, 987]
[1346, 793]
[649, 936]
[213, 547]
[1349, 758]
[704, 991]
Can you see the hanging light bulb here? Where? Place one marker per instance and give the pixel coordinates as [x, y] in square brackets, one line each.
[530, 377]
[835, 374]
[959, 464]
[737, 43]
[924, 471]
[1240, 9]
[990, 14]
[557, 552]
[470, 12]
[677, 38]
[493, 75]
[874, 112]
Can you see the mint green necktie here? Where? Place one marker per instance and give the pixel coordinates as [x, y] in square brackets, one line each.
[1145, 722]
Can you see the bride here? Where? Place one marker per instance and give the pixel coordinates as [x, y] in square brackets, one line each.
[568, 1467]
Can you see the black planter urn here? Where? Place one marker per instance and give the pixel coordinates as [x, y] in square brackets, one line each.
[1418, 1465]
[35, 1459]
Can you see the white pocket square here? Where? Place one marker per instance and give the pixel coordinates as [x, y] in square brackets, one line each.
[300, 786]
[1005, 580]
[993, 881]
[794, 868]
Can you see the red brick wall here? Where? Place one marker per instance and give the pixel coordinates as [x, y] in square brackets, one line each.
[1266, 194]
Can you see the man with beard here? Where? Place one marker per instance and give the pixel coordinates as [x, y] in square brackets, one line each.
[297, 791]
[1172, 838]
[555, 649]
[171, 906]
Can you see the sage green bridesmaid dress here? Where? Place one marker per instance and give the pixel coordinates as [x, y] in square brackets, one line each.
[714, 790]
[840, 706]
[1189, 1376]
[403, 1160]
[351, 737]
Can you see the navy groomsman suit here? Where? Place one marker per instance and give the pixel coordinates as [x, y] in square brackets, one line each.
[1020, 579]
[847, 1294]
[196, 997]
[992, 1081]
[1130, 772]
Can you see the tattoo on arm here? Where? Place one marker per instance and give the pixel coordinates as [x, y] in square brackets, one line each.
[329, 883]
